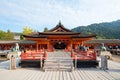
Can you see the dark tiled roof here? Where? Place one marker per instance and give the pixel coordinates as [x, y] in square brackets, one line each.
[61, 26]
[35, 36]
[114, 41]
[59, 33]
[70, 34]
[17, 41]
[83, 36]
[27, 42]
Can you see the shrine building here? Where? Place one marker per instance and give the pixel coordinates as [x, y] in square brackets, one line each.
[58, 37]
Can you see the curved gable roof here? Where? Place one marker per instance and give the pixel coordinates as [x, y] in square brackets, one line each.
[59, 28]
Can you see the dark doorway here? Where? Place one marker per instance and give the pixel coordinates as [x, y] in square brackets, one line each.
[59, 45]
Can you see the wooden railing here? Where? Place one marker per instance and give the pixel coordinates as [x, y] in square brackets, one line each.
[33, 55]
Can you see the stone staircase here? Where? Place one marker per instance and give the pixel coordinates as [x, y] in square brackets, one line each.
[58, 63]
[55, 62]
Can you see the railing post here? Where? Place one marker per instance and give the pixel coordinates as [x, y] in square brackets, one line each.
[72, 67]
[58, 64]
[40, 61]
[76, 61]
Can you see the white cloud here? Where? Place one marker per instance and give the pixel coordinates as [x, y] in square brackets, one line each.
[47, 13]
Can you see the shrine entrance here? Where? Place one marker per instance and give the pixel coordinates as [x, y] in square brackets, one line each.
[59, 45]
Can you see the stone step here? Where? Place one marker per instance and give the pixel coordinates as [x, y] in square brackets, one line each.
[58, 64]
[58, 60]
[55, 69]
[63, 60]
[58, 67]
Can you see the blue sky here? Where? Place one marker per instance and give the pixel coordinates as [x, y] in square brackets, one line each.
[38, 14]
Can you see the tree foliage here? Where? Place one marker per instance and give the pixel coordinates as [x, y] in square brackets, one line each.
[106, 30]
[45, 29]
[6, 35]
[26, 30]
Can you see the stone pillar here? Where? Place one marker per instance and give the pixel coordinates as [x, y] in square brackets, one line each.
[12, 63]
[104, 62]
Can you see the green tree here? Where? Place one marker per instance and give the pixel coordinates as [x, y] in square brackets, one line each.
[35, 30]
[9, 35]
[26, 30]
[2, 34]
[6, 35]
[45, 29]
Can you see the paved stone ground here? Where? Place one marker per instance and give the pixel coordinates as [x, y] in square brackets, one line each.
[116, 58]
[78, 74]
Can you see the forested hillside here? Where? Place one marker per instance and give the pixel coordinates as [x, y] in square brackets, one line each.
[108, 30]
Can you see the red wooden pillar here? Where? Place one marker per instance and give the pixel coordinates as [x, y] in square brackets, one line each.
[71, 46]
[48, 46]
[36, 46]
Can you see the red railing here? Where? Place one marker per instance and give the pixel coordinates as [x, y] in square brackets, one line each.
[84, 55]
[32, 55]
